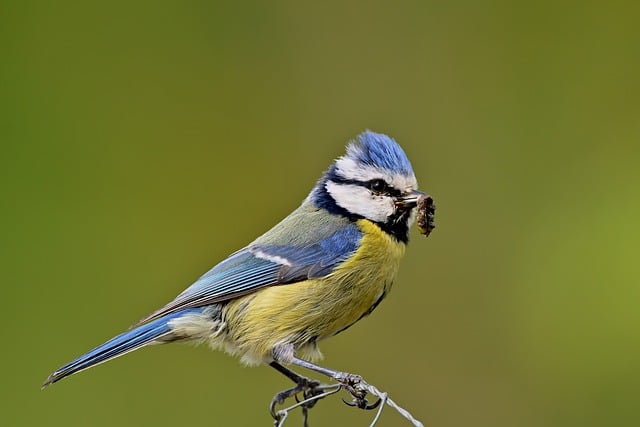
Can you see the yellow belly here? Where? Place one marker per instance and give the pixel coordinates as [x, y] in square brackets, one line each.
[306, 312]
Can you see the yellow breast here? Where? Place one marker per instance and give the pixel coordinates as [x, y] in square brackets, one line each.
[305, 312]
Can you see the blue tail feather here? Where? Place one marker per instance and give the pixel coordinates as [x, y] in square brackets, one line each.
[117, 346]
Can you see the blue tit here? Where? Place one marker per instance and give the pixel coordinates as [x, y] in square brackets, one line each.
[321, 269]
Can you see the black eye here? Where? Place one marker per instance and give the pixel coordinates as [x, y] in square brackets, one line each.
[377, 185]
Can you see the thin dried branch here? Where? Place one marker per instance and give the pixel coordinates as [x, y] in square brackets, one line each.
[357, 390]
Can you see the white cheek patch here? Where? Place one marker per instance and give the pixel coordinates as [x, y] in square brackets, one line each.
[359, 200]
[350, 169]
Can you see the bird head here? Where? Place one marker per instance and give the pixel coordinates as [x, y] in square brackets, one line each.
[374, 180]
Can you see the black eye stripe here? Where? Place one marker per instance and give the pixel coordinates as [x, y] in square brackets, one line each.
[385, 188]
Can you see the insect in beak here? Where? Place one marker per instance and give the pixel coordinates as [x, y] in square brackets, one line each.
[426, 210]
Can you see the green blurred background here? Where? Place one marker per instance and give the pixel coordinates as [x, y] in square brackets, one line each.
[143, 142]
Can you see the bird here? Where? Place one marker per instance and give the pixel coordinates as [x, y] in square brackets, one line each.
[324, 267]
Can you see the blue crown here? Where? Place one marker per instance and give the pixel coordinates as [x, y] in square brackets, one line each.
[379, 150]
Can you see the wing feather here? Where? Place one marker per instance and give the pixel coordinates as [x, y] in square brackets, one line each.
[266, 263]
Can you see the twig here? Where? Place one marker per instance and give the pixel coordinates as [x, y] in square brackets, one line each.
[360, 386]
[387, 400]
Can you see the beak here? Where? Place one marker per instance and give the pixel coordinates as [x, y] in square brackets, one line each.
[410, 201]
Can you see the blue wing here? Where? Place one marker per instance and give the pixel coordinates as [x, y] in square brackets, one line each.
[267, 262]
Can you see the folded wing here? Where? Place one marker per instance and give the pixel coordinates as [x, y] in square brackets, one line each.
[266, 264]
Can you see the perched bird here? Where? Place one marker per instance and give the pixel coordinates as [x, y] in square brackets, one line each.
[321, 269]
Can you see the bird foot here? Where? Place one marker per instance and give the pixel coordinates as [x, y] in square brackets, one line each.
[352, 384]
[309, 389]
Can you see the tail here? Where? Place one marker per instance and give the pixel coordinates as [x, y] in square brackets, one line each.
[117, 346]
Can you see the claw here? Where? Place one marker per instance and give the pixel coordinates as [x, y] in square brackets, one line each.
[281, 397]
[354, 402]
[373, 405]
[362, 403]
